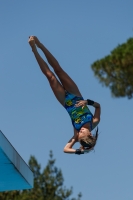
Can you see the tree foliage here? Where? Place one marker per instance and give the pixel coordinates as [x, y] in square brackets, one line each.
[116, 70]
[48, 184]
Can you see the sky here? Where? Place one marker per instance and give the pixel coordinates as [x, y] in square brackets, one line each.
[77, 33]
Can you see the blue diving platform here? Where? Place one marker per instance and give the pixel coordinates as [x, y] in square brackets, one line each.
[15, 174]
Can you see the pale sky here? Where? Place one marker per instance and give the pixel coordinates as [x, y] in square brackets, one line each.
[77, 33]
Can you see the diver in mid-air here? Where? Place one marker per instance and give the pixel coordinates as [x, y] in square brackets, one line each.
[68, 94]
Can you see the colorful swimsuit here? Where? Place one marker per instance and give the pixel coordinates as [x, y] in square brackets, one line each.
[78, 115]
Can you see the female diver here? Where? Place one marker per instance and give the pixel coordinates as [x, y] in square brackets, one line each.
[68, 94]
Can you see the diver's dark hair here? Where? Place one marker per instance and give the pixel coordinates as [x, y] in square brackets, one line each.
[89, 141]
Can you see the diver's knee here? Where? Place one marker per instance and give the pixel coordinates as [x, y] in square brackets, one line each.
[51, 77]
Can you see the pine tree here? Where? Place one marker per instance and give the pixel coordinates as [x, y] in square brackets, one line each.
[116, 70]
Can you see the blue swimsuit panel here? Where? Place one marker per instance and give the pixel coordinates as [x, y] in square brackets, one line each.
[78, 115]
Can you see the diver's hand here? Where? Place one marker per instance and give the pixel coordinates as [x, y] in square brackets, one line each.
[81, 103]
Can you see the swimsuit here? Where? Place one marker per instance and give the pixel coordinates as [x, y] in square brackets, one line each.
[78, 115]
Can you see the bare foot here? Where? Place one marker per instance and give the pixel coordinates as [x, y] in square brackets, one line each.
[38, 43]
[32, 42]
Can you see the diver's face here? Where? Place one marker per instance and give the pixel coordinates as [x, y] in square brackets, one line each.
[84, 132]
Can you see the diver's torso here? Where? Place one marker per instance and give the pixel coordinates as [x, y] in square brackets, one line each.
[79, 116]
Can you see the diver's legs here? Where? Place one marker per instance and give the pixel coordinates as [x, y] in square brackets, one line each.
[66, 81]
[54, 83]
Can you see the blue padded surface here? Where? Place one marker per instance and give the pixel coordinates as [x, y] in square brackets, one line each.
[15, 174]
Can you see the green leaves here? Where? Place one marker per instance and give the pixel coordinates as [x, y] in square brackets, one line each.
[116, 70]
[48, 184]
